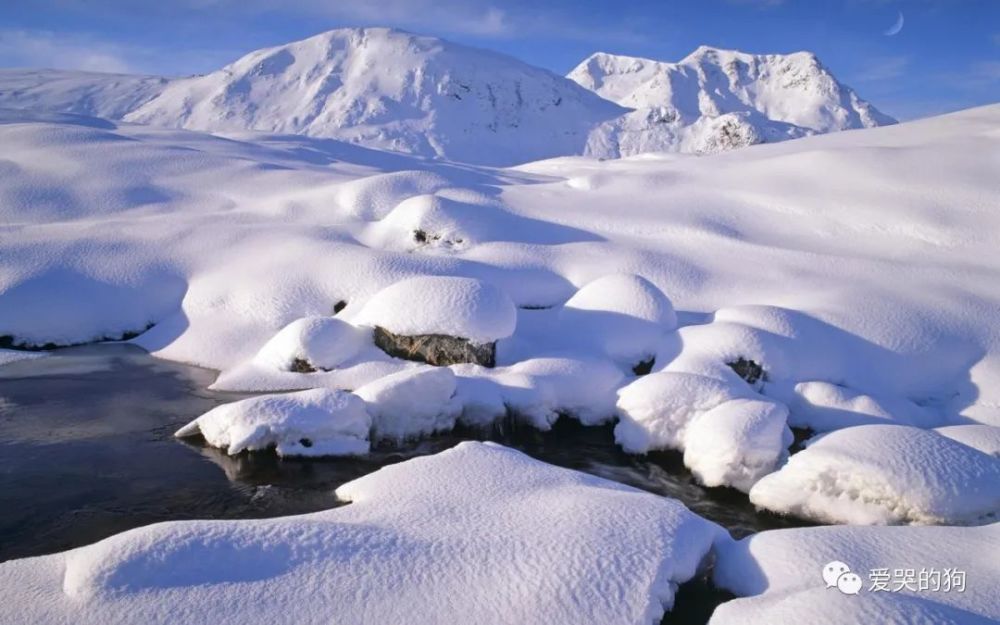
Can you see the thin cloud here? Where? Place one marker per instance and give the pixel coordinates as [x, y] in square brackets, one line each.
[885, 68]
[39, 48]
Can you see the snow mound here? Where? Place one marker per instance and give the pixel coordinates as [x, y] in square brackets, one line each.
[624, 315]
[317, 422]
[551, 545]
[730, 435]
[885, 474]
[373, 197]
[779, 572]
[461, 307]
[320, 342]
[737, 442]
[822, 406]
[715, 100]
[655, 410]
[985, 438]
[411, 403]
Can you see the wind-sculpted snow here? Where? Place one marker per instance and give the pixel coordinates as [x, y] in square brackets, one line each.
[779, 573]
[476, 534]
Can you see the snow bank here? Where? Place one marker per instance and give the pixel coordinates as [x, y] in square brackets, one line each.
[476, 534]
[885, 474]
[779, 572]
[411, 403]
[623, 316]
[460, 307]
[985, 438]
[737, 442]
[316, 422]
[320, 342]
[823, 407]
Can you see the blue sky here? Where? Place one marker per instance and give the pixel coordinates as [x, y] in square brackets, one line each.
[946, 57]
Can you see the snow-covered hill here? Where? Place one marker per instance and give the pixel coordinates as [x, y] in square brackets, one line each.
[715, 100]
[378, 87]
[394, 90]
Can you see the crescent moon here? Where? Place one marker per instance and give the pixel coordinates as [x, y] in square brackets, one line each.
[895, 28]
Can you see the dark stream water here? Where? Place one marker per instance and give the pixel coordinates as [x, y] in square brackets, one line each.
[87, 451]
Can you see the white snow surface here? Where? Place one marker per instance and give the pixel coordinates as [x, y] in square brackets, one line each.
[551, 546]
[323, 342]
[394, 90]
[316, 422]
[8, 356]
[885, 474]
[411, 403]
[378, 87]
[822, 260]
[985, 438]
[779, 573]
[461, 307]
[716, 100]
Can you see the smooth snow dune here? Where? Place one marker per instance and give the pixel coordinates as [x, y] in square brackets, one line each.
[780, 574]
[476, 534]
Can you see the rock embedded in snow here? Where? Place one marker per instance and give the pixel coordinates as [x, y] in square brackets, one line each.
[440, 320]
[312, 343]
[737, 442]
[885, 474]
[411, 403]
[475, 534]
[623, 315]
[317, 422]
[779, 574]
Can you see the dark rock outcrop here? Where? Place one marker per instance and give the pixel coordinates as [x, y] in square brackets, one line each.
[749, 370]
[435, 349]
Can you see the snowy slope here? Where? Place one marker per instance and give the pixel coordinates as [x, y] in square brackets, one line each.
[820, 259]
[714, 100]
[377, 87]
[111, 96]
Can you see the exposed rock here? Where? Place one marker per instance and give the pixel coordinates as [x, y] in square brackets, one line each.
[645, 366]
[435, 349]
[749, 370]
[339, 306]
[301, 365]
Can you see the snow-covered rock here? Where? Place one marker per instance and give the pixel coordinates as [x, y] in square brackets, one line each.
[317, 422]
[715, 100]
[885, 474]
[945, 575]
[985, 438]
[476, 534]
[623, 315]
[460, 307]
[411, 403]
[656, 410]
[312, 343]
[730, 435]
[737, 442]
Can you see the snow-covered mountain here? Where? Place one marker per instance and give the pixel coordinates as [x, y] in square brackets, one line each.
[714, 100]
[394, 90]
